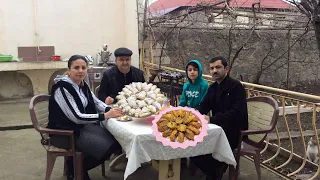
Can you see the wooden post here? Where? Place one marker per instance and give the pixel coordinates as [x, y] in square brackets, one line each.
[288, 59]
[150, 47]
[169, 170]
[142, 56]
[150, 53]
[155, 164]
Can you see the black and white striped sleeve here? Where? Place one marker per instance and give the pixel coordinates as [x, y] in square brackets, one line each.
[100, 106]
[69, 107]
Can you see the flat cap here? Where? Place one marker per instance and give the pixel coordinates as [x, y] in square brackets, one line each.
[122, 52]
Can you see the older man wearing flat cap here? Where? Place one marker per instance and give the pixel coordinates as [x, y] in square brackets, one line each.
[115, 78]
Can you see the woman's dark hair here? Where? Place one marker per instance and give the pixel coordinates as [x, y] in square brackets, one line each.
[223, 60]
[76, 57]
[194, 65]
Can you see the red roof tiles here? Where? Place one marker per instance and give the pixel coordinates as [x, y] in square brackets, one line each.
[165, 4]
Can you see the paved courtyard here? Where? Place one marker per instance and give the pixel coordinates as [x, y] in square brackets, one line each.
[23, 157]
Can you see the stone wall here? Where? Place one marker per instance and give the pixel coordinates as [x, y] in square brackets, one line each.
[15, 85]
[266, 50]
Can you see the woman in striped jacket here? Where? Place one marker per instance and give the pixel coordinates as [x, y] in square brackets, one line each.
[73, 106]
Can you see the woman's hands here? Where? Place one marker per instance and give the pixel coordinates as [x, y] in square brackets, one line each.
[113, 113]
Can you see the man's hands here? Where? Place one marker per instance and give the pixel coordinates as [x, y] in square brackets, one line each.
[109, 100]
[113, 113]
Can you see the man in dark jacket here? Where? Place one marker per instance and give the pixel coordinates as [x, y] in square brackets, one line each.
[115, 78]
[226, 98]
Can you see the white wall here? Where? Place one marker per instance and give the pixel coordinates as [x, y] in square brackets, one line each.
[131, 29]
[72, 26]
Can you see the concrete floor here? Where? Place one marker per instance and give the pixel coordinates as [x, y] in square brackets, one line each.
[14, 112]
[23, 157]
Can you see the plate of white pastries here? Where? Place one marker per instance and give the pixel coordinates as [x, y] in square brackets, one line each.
[140, 100]
[124, 118]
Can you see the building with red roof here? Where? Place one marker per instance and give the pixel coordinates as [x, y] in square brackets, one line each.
[166, 6]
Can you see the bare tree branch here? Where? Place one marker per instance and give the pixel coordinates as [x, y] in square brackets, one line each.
[246, 41]
[187, 33]
[284, 53]
[307, 5]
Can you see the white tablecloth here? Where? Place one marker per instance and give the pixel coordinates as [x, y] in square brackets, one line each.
[141, 146]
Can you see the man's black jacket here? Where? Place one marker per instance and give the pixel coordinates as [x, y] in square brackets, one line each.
[113, 81]
[227, 101]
